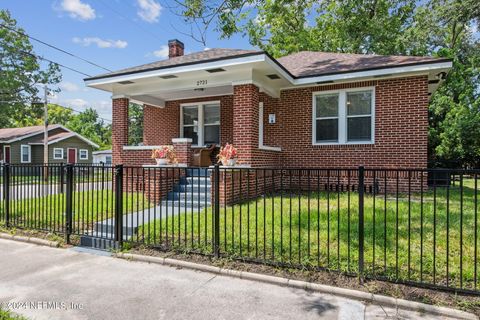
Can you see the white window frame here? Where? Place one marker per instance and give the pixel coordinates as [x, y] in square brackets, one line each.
[80, 154]
[54, 154]
[29, 148]
[201, 124]
[342, 117]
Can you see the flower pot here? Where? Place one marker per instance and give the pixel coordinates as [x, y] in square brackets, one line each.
[224, 163]
[231, 162]
[161, 161]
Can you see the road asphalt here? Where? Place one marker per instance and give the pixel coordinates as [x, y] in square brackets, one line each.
[48, 283]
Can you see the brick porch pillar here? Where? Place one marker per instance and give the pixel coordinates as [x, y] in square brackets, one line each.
[119, 128]
[183, 149]
[245, 121]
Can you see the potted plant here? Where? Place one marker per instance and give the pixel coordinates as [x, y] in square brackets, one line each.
[164, 155]
[227, 155]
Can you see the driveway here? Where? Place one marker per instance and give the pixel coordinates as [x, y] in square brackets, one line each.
[48, 283]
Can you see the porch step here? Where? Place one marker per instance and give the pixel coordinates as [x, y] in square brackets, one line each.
[192, 188]
[195, 181]
[198, 172]
[189, 196]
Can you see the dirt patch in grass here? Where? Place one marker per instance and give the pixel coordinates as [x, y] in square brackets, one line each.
[463, 302]
[35, 234]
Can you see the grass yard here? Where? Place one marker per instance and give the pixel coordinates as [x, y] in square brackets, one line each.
[321, 229]
[47, 212]
[7, 315]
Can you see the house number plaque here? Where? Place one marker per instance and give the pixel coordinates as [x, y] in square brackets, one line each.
[202, 82]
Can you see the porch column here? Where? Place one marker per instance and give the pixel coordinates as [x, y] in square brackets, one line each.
[119, 128]
[245, 121]
[183, 149]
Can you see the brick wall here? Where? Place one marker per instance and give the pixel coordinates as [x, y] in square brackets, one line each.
[119, 129]
[401, 127]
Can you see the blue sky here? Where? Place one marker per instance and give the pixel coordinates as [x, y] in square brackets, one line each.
[112, 33]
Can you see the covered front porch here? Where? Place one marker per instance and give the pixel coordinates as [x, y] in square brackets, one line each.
[210, 113]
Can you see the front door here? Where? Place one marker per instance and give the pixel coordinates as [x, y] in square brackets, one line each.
[71, 155]
[6, 154]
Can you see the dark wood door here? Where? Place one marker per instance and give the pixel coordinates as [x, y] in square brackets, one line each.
[7, 154]
[72, 156]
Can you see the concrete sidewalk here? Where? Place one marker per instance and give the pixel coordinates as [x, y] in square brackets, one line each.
[68, 284]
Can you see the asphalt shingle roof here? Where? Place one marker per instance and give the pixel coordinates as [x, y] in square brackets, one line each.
[300, 64]
[8, 134]
[191, 58]
[311, 63]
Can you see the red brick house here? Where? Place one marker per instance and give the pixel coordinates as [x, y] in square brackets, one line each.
[308, 109]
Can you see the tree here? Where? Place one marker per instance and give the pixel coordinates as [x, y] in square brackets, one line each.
[89, 125]
[20, 71]
[135, 124]
[407, 27]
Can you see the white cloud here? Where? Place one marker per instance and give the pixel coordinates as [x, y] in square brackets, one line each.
[74, 103]
[101, 43]
[78, 10]
[162, 52]
[69, 86]
[149, 10]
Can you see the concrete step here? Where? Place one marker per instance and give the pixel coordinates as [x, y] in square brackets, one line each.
[99, 243]
[192, 188]
[189, 196]
[198, 181]
[195, 172]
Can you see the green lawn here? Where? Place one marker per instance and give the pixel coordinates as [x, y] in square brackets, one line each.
[321, 229]
[88, 207]
[7, 315]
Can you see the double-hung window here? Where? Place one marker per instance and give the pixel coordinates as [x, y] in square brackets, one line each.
[343, 117]
[201, 123]
[25, 153]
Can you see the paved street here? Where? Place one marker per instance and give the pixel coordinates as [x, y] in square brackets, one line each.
[91, 286]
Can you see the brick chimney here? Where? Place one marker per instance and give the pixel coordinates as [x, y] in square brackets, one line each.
[175, 48]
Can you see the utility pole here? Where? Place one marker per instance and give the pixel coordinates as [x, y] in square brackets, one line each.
[45, 133]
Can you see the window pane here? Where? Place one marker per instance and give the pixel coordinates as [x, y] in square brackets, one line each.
[212, 134]
[359, 129]
[24, 153]
[359, 103]
[188, 132]
[211, 114]
[327, 105]
[190, 115]
[327, 130]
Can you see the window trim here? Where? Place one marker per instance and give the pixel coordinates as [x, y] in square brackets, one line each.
[80, 154]
[29, 153]
[342, 117]
[201, 123]
[58, 158]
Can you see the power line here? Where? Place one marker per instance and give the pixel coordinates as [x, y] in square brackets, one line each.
[55, 47]
[64, 107]
[51, 61]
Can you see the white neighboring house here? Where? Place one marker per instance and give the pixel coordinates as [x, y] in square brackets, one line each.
[102, 156]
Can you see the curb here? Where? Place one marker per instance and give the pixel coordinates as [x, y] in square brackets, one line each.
[346, 293]
[38, 241]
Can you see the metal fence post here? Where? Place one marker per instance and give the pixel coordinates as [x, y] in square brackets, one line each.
[6, 192]
[361, 229]
[216, 215]
[62, 178]
[119, 204]
[68, 202]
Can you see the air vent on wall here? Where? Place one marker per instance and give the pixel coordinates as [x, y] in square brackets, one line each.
[273, 76]
[126, 82]
[169, 76]
[325, 82]
[433, 81]
[215, 70]
[382, 75]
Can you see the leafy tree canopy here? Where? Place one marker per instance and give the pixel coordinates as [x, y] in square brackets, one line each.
[444, 28]
[21, 70]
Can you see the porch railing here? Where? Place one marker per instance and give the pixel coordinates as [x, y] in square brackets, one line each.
[416, 226]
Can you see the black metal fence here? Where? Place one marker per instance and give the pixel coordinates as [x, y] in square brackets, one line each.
[411, 226]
